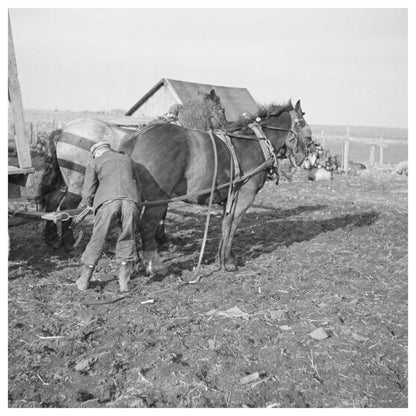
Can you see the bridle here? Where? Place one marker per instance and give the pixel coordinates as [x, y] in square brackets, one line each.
[293, 132]
[294, 128]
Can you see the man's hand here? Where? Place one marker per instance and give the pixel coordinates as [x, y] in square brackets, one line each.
[76, 220]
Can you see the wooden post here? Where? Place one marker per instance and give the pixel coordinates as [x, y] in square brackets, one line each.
[32, 133]
[381, 151]
[345, 154]
[16, 104]
[372, 155]
[35, 132]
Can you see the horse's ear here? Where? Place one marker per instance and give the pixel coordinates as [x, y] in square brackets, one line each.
[297, 107]
[213, 95]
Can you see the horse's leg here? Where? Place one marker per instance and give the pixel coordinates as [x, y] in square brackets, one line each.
[148, 228]
[50, 203]
[70, 201]
[232, 221]
[226, 229]
[162, 239]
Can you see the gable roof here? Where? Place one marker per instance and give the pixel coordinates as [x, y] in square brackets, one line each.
[235, 101]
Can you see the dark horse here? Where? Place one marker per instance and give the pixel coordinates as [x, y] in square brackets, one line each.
[68, 155]
[174, 161]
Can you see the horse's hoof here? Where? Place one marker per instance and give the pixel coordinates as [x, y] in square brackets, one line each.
[157, 268]
[154, 264]
[125, 287]
[55, 244]
[165, 245]
[230, 267]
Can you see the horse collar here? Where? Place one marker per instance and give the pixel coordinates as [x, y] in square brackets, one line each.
[266, 146]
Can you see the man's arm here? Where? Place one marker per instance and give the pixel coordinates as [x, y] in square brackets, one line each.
[90, 186]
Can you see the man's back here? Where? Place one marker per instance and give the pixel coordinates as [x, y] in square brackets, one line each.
[108, 177]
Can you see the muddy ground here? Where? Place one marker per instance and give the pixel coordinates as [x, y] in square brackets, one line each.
[316, 315]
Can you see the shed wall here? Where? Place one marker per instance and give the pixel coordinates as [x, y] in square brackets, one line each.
[158, 104]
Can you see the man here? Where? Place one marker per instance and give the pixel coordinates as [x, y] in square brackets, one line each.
[111, 190]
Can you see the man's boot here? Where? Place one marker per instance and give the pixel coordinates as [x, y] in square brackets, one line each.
[124, 275]
[85, 277]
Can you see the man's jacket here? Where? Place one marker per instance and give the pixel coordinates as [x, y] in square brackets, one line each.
[109, 177]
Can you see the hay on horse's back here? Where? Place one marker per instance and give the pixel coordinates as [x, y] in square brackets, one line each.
[199, 112]
[194, 115]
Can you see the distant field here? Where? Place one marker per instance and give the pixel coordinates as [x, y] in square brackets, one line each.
[361, 152]
[393, 154]
[47, 120]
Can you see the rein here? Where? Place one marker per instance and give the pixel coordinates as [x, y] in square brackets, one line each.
[211, 197]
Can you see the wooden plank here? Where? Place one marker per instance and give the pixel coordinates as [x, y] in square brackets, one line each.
[14, 170]
[16, 104]
[38, 215]
[362, 140]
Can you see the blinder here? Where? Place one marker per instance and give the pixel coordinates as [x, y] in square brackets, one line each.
[292, 139]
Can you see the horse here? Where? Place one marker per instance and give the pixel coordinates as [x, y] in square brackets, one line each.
[176, 162]
[68, 154]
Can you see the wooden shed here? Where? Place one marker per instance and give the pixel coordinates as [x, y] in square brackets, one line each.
[167, 92]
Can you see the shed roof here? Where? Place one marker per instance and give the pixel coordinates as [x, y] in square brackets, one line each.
[235, 101]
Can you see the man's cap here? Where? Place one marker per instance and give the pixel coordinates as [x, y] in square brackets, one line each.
[99, 145]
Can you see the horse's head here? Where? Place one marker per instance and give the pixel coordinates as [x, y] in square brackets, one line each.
[286, 127]
[305, 150]
[203, 112]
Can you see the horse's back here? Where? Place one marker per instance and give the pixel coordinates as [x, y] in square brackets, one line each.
[178, 159]
[73, 148]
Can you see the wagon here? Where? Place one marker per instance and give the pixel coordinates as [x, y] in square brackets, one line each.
[22, 210]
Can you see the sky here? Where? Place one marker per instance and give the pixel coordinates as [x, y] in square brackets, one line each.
[347, 66]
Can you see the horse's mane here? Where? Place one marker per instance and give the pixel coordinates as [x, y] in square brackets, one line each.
[264, 112]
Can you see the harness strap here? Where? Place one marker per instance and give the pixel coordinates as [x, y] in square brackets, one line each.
[226, 139]
[267, 149]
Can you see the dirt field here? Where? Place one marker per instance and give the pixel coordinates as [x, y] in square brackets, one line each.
[316, 315]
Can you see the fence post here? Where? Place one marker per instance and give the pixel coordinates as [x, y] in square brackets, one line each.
[33, 133]
[323, 139]
[381, 151]
[345, 154]
[372, 155]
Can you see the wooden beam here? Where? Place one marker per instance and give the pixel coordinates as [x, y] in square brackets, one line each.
[362, 140]
[16, 104]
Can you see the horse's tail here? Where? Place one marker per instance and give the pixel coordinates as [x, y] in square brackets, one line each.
[52, 177]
